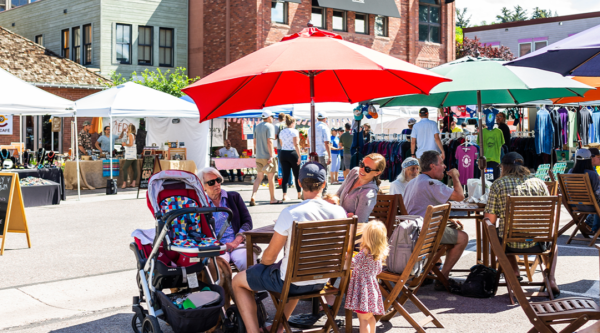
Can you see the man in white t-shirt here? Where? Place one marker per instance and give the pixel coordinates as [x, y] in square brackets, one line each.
[229, 152]
[425, 136]
[269, 275]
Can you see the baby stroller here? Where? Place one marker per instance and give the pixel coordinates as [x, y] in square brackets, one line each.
[174, 255]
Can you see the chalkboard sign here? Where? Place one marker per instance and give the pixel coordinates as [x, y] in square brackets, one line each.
[12, 211]
[147, 171]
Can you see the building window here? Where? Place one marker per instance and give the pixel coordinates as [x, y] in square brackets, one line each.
[339, 20]
[2, 5]
[64, 48]
[17, 3]
[361, 24]
[524, 48]
[381, 26]
[87, 44]
[540, 44]
[317, 17]
[429, 21]
[124, 43]
[165, 47]
[279, 12]
[39, 39]
[145, 45]
[77, 45]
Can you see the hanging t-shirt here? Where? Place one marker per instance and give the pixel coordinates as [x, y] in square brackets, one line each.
[564, 119]
[556, 139]
[490, 117]
[466, 156]
[493, 141]
[572, 135]
[544, 132]
[584, 119]
[472, 110]
[595, 127]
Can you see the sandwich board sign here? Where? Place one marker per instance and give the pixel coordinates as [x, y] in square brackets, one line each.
[12, 211]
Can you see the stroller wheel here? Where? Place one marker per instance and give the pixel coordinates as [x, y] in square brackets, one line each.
[150, 325]
[136, 323]
[234, 319]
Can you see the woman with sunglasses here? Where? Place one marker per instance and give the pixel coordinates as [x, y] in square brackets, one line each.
[358, 192]
[240, 221]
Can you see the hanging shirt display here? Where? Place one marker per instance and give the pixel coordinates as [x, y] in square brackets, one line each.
[556, 138]
[466, 157]
[493, 141]
[595, 127]
[472, 110]
[564, 119]
[572, 135]
[584, 119]
[490, 117]
[544, 132]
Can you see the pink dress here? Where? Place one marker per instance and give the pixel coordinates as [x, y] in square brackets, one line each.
[363, 291]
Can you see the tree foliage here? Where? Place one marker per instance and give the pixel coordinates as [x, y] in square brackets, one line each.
[518, 14]
[473, 48]
[542, 13]
[167, 82]
[458, 33]
[461, 18]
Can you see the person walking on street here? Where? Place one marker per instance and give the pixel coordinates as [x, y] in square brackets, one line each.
[425, 136]
[130, 155]
[289, 155]
[322, 137]
[264, 134]
[281, 125]
[346, 144]
[229, 152]
[335, 156]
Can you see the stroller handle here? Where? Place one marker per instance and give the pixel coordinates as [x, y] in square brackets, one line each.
[169, 217]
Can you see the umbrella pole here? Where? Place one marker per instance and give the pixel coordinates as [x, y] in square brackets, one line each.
[482, 161]
[110, 142]
[77, 161]
[313, 151]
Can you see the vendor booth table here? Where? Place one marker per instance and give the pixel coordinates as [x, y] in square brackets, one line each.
[42, 195]
[91, 172]
[52, 174]
[234, 163]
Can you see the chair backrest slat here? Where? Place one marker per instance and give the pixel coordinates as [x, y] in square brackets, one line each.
[534, 218]
[385, 210]
[576, 190]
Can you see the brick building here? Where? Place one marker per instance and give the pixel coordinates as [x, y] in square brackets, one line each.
[46, 70]
[221, 31]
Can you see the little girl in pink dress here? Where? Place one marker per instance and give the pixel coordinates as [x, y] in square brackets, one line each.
[364, 296]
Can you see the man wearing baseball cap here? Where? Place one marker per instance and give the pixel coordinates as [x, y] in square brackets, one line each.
[85, 139]
[411, 123]
[264, 134]
[425, 136]
[322, 139]
[269, 274]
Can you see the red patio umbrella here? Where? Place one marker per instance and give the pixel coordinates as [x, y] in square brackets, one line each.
[311, 66]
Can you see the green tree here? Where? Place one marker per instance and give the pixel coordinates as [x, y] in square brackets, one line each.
[167, 82]
[458, 33]
[461, 18]
[520, 14]
[542, 13]
[507, 15]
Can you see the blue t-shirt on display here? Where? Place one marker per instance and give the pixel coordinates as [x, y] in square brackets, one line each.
[472, 110]
[490, 117]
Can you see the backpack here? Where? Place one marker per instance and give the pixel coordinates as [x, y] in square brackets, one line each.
[402, 243]
[482, 282]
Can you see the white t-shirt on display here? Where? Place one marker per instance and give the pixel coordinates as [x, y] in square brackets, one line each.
[287, 138]
[307, 210]
[424, 132]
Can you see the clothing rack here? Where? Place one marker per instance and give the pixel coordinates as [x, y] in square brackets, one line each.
[522, 134]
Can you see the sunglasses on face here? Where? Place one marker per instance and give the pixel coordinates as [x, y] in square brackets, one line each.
[212, 182]
[366, 168]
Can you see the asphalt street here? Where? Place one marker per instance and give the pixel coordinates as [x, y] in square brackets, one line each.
[79, 275]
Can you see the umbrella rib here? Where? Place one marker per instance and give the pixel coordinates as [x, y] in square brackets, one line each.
[341, 85]
[513, 97]
[407, 82]
[444, 100]
[386, 103]
[583, 63]
[270, 92]
[230, 96]
[578, 95]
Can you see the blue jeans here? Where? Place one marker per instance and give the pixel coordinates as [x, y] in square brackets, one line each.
[594, 222]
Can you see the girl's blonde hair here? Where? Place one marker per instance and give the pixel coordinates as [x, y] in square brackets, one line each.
[374, 239]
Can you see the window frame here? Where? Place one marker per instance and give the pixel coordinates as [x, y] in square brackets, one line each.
[65, 51]
[530, 48]
[366, 23]
[344, 20]
[430, 24]
[323, 17]
[285, 11]
[38, 39]
[151, 45]
[386, 32]
[534, 46]
[87, 45]
[76, 48]
[172, 47]
[117, 43]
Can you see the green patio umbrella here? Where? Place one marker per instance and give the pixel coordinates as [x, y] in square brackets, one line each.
[487, 81]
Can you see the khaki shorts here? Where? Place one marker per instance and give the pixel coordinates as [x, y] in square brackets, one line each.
[262, 165]
[450, 236]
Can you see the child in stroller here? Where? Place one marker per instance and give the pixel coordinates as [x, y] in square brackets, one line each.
[172, 256]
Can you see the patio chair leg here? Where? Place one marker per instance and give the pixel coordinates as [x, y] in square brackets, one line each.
[330, 318]
[423, 308]
[392, 312]
[593, 241]
[576, 324]
[408, 317]
[527, 268]
[566, 227]
[574, 232]
[348, 321]
[279, 314]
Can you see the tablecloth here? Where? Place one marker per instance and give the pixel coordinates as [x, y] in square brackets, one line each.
[41, 195]
[91, 172]
[53, 174]
[234, 163]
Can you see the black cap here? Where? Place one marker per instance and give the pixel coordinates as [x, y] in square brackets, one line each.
[511, 158]
[313, 170]
[594, 151]
[423, 111]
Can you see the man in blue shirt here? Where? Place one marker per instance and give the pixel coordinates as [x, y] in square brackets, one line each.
[103, 142]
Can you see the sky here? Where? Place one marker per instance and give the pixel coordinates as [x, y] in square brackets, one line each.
[488, 9]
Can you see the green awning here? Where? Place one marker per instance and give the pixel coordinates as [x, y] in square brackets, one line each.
[377, 7]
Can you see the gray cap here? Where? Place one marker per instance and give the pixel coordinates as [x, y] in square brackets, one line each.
[412, 121]
[86, 123]
[313, 170]
[583, 154]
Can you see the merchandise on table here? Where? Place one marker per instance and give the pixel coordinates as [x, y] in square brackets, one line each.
[34, 181]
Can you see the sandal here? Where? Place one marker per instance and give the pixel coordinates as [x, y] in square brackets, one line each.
[277, 202]
[252, 202]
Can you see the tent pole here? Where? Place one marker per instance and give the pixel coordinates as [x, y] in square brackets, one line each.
[21, 138]
[313, 124]
[77, 157]
[111, 146]
[209, 148]
[482, 161]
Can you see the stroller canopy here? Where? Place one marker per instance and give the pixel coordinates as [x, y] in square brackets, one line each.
[157, 183]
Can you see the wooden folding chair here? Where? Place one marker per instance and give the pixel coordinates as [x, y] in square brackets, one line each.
[552, 187]
[318, 250]
[577, 191]
[385, 210]
[401, 206]
[574, 311]
[533, 219]
[431, 234]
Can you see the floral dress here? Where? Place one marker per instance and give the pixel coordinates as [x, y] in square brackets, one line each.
[363, 292]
